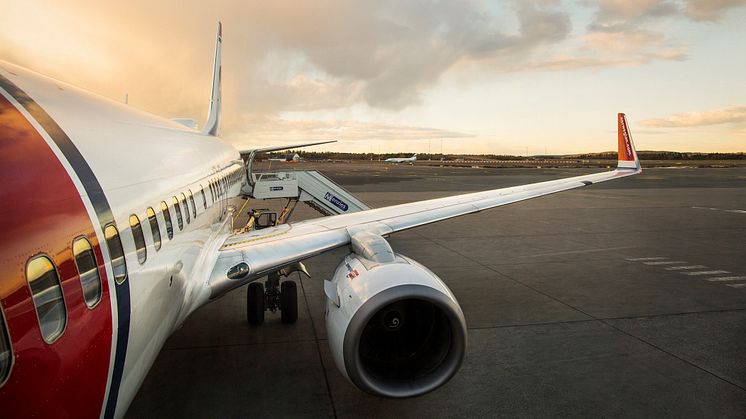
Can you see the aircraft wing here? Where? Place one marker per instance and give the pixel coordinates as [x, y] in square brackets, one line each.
[263, 251]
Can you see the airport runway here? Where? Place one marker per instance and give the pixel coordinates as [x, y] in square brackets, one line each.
[624, 299]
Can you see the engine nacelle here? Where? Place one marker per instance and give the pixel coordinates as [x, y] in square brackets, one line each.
[394, 328]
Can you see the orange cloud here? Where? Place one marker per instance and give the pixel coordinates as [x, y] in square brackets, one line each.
[711, 9]
[736, 114]
[277, 130]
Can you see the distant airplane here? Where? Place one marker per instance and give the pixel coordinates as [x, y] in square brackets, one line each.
[402, 159]
[288, 158]
[116, 226]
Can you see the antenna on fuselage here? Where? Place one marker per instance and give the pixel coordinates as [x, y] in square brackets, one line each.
[213, 115]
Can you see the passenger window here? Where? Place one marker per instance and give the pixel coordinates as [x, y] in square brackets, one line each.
[194, 207]
[177, 208]
[6, 354]
[204, 198]
[85, 261]
[47, 295]
[167, 217]
[186, 208]
[139, 237]
[114, 243]
[154, 227]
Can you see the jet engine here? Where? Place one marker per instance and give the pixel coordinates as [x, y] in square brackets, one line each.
[394, 328]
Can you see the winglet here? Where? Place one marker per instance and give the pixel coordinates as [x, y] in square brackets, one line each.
[213, 115]
[627, 153]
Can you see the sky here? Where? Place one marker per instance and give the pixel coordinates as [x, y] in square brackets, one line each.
[500, 77]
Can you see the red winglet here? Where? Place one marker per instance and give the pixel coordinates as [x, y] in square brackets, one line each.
[627, 153]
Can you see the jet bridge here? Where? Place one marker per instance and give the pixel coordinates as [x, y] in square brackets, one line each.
[307, 186]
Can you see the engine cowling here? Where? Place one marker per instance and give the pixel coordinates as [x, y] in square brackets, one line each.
[394, 328]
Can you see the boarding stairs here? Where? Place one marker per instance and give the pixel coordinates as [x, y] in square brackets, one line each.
[307, 186]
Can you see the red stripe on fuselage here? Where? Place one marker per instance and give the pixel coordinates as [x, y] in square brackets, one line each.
[41, 211]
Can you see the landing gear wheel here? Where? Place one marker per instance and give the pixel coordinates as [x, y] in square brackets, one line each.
[289, 302]
[255, 303]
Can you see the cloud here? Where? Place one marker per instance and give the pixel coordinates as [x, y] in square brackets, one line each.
[711, 10]
[616, 15]
[271, 131]
[278, 56]
[736, 114]
[295, 56]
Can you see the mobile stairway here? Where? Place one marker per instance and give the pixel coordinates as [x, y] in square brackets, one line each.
[307, 186]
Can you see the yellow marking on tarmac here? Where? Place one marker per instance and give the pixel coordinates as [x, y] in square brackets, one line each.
[256, 239]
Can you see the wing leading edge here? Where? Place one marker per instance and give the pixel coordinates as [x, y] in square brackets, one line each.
[270, 249]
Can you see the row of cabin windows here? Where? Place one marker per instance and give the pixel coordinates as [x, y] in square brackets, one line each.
[44, 280]
[218, 188]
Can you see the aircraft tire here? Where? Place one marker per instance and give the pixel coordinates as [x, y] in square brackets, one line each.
[255, 303]
[289, 302]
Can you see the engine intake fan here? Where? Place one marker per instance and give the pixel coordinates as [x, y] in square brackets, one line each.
[394, 328]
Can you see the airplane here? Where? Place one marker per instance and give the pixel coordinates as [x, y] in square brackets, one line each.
[288, 158]
[409, 160]
[117, 225]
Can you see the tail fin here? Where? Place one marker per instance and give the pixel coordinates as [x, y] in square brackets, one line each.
[213, 115]
[627, 153]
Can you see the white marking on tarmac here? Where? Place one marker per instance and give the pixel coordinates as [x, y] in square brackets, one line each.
[705, 273]
[682, 268]
[642, 259]
[741, 285]
[707, 208]
[727, 278]
[667, 262]
[737, 211]
[579, 251]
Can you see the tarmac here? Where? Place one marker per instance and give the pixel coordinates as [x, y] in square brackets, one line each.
[622, 299]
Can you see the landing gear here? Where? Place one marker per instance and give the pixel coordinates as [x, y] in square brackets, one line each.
[289, 302]
[275, 296]
[255, 303]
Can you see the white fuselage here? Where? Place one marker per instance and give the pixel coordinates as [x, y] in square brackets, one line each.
[141, 161]
[401, 159]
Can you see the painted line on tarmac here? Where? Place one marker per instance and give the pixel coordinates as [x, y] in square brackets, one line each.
[666, 262]
[579, 251]
[727, 278]
[683, 268]
[699, 273]
[643, 259]
[741, 285]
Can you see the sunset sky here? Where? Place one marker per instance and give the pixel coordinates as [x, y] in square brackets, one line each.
[518, 77]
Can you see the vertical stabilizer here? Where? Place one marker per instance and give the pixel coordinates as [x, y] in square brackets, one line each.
[627, 152]
[213, 116]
